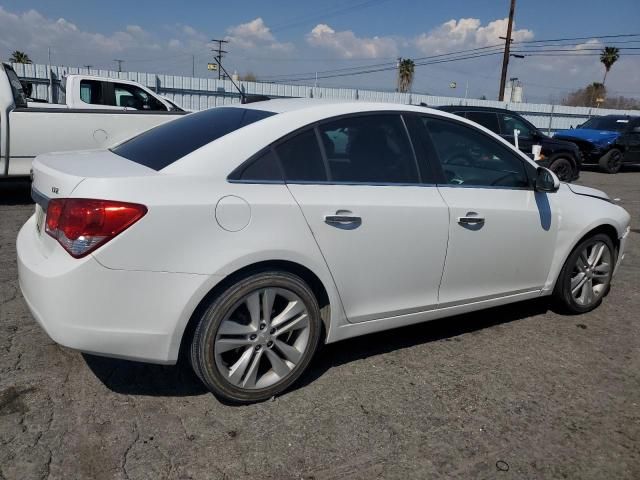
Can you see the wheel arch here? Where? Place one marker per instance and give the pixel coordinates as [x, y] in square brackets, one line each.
[311, 278]
[563, 154]
[606, 228]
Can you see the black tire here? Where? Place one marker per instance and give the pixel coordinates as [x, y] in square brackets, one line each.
[611, 162]
[563, 168]
[202, 356]
[562, 296]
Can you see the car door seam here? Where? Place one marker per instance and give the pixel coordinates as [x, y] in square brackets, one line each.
[446, 252]
[335, 285]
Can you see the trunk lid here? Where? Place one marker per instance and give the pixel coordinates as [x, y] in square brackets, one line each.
[56, 175]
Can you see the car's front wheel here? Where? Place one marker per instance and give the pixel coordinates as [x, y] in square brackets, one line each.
[611, 162]
[256, 338]
[563, 169]
[586, 276]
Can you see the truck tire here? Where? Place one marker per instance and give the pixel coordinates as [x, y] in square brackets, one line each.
[611, 162]
[563, 168]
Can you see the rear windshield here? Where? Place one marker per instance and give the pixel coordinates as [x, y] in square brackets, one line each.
[616, 124]
[163, 145]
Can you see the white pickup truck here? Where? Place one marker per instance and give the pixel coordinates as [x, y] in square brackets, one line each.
[90, 92]
[98, 112]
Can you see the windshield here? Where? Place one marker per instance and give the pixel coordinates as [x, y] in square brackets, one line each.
[163, 145]
[616, 124]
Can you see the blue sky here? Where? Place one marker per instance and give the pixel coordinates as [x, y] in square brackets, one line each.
[288, 37]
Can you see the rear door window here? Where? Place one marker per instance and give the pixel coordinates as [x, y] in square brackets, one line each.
[264, 168]
[486, 119]
[91, 91]
[369, 149]
[301, 158]
[166, 143]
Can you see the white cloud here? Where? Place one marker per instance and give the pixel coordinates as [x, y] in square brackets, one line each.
[255, 34]
[466, 33]
[347, 45]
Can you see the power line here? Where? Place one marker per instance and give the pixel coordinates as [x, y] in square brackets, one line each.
[311, 18]
[490, 49]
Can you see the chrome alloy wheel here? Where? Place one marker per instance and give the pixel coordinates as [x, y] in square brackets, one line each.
[591, 274]
[262, 338]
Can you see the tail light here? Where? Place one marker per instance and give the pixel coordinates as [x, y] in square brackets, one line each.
[81, 225]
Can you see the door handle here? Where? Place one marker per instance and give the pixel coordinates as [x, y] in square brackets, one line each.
[343, 218]
[471, 218]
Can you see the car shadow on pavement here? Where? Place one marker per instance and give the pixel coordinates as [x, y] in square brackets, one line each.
[15, 192]
[133, 378]
[447, 329]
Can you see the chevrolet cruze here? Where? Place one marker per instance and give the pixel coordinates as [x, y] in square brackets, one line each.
[244, 236]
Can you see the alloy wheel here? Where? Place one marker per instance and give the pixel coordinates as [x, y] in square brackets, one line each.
[591, 274]
[615, 161]
[262, 338]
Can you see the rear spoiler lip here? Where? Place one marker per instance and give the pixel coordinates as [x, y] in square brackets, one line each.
[40, 198]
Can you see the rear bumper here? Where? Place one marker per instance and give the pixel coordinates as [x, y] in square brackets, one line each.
[80, 304]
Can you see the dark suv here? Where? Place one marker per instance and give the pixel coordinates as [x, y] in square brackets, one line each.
[562, 157]
[608, 141]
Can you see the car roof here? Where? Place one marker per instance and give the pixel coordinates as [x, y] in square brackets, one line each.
[470, 108]
[291, 114]
[284, 105]
[630, 117]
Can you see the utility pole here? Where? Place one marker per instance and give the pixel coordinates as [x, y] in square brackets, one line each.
[88, 67]
[193, 65]
[119, 64]
[507, 46]
[220, 52]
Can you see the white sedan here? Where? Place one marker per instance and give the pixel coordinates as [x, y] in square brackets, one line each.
[244, 236]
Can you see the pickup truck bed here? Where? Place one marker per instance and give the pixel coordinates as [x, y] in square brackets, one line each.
[27, 131]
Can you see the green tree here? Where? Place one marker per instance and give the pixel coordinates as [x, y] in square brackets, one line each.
[19, 57]
[248, 77]
[586, 97]
[608, 57]
[406, 69]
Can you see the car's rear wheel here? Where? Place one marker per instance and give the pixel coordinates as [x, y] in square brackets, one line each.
[586, 276]
[563, 169]
[611, 162]
[255, 339]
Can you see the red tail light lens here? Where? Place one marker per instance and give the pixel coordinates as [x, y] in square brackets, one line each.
[81, 225]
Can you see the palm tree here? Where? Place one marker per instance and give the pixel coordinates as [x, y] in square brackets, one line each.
[406, 69]
[19, 57]
[608, 57]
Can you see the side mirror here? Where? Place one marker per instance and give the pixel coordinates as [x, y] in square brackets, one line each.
[635, 129]
[546, 181]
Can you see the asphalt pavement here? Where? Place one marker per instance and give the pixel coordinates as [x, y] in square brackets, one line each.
[515, 392]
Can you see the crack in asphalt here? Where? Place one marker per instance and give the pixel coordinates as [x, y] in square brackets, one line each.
[125, 455]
